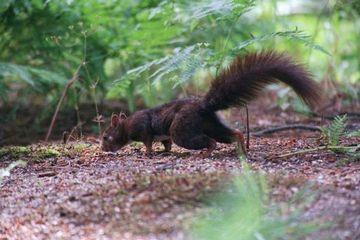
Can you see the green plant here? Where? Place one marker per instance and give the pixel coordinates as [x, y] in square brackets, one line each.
[245, 211]
[295, 35]
[38, 151]
[14, 152]
[332, 135]
[334, 131]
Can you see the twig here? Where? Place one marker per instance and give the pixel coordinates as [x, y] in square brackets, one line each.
[247, 129]
[287, 127]
[78, 119]
[96, 105]
[67, 86]
[67, 137]
[316, 149]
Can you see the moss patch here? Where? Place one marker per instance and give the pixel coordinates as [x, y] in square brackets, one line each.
[40, 152]
[79, 146]
[47, 153]
[14, 152]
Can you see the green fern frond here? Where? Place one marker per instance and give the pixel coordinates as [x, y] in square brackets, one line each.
[137, 71]
[205, 8]
[201, 9]
[296, 35]
[120, 87]
[30, 75]
[335, 130]
[13, 70]
[189, 69]
[173, 63]
[185, 61]
[47, 77]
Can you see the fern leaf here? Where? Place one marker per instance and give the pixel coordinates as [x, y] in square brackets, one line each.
[9, 69]
[190, 67]
[173, 63]
[165, 65]
[205, 8]
[26, 74]
[296, 35]
[146, 66]
[120, 87]
[335, 130]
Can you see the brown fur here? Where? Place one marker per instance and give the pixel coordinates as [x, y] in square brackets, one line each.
[193, 124]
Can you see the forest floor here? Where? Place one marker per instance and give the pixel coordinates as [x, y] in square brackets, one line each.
[75, 191]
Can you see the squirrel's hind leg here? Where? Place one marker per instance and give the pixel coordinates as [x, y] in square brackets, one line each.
[209, 150]
[197, 142]
[187, 131]
[218, 131]
[200, 142]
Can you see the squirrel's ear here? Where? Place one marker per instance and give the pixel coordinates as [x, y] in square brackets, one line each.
[122, 116]
[114, 120]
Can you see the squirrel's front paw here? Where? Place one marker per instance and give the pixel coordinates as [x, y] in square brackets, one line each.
[149, 154]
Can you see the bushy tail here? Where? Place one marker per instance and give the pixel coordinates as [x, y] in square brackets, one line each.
[247, 76]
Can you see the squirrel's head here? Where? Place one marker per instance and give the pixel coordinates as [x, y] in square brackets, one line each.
[115, 137]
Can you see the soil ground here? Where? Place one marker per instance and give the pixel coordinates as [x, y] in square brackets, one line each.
[79, 192]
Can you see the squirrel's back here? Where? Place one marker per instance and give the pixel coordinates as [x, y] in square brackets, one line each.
[247, 76]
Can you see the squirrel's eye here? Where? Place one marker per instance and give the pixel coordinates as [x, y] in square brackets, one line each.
[105, 138]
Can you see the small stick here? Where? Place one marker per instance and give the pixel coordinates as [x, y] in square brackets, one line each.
[69, 135]
[65, 137]
[247, 129]
[96, 105]
[67, 86]
[78, 119]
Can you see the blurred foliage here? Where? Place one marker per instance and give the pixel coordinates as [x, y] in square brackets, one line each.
[245, 211]
[153, 51]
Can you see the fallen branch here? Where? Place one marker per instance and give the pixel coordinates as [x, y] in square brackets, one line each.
[318, 149]
[287, 127]
[67, 86]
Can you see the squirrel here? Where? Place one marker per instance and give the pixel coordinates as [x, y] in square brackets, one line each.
[192, 123]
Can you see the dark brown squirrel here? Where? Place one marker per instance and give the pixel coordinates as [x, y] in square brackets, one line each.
[192, 123]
